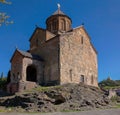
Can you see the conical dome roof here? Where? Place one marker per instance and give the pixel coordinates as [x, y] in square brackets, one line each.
[58, 12]
[58, 22]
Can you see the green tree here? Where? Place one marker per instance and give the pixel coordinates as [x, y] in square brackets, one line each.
[3, 16]
[109, 83]
[3, 82]
[1, 75]
[8, 77]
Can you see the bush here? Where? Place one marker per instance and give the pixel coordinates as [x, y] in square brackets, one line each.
[3, 83]
[109, 83]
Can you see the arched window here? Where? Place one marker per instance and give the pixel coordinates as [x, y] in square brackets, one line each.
[54, 25]
[82, 40]
[70, 74]
[68, 25]
[92, 79]
[82, 78]
[62, 24]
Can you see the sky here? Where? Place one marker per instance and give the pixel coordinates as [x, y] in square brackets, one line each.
[101, 19]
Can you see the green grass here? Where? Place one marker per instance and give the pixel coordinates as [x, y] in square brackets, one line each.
[2, 110]
[41, 88]
[111, 87]
[118, 105]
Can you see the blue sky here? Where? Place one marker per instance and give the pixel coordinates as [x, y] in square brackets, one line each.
[101, 19]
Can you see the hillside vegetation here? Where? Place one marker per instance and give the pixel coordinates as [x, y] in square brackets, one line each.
[108, 83]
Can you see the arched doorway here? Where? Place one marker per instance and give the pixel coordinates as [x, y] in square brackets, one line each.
[31, 73]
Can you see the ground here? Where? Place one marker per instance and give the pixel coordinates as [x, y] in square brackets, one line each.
[68, 97]
[94, 112]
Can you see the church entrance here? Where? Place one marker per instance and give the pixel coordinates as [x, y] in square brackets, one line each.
[31, 73]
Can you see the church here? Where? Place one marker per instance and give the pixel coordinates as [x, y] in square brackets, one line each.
[58, 55]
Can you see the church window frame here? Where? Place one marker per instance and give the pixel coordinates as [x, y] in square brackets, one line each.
[82, 79]
[54, 25]
[68, 25]
[63, 24]
[70, 71]
[82, 41]
[92, 79]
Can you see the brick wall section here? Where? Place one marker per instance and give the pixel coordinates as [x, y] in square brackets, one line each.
[77, 57]
[27, 85]
[16, 66]
[12, 87]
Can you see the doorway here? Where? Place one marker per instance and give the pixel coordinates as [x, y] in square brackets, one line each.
[31, 73]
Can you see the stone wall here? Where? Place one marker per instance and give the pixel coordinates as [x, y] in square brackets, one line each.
[16, 67]
[38, 66]
[39, 37]
[78, 59]
[19, 65]
[49, 52]
[111, 93]
[12, 87]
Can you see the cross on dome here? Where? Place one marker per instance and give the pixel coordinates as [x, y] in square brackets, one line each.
[58, 6]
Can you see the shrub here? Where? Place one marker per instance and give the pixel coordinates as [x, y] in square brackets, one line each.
[3, 83]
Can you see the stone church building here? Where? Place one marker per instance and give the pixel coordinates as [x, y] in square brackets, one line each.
[58, 55]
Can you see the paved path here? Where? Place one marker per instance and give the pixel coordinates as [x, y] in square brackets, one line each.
[96, 112]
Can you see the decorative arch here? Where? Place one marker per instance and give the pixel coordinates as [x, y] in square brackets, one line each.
[62, 24]
[68, 26]
[31, 73]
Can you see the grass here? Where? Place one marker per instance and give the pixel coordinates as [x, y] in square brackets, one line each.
[118, 105]
[43, 88]
[5, 109]
[111, 87]
[2, 111]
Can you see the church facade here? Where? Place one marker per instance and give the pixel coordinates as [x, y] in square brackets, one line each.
[58, 55]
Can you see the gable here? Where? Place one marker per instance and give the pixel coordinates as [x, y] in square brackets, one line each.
[38, 38]
[16, 57]
[85, 34]
[39, 34]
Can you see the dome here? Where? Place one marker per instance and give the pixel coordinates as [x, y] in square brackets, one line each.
[58, 22]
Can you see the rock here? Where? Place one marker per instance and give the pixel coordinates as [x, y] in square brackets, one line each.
[65, 97]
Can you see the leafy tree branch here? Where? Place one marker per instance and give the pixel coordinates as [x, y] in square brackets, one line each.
[3, 16]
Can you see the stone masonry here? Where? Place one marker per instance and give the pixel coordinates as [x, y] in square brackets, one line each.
[58, 55]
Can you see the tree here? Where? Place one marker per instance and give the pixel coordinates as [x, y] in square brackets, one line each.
[8, 76]
[3, 82]
[109, 83]
[1, 75]
[3, 16]
[5, 2]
